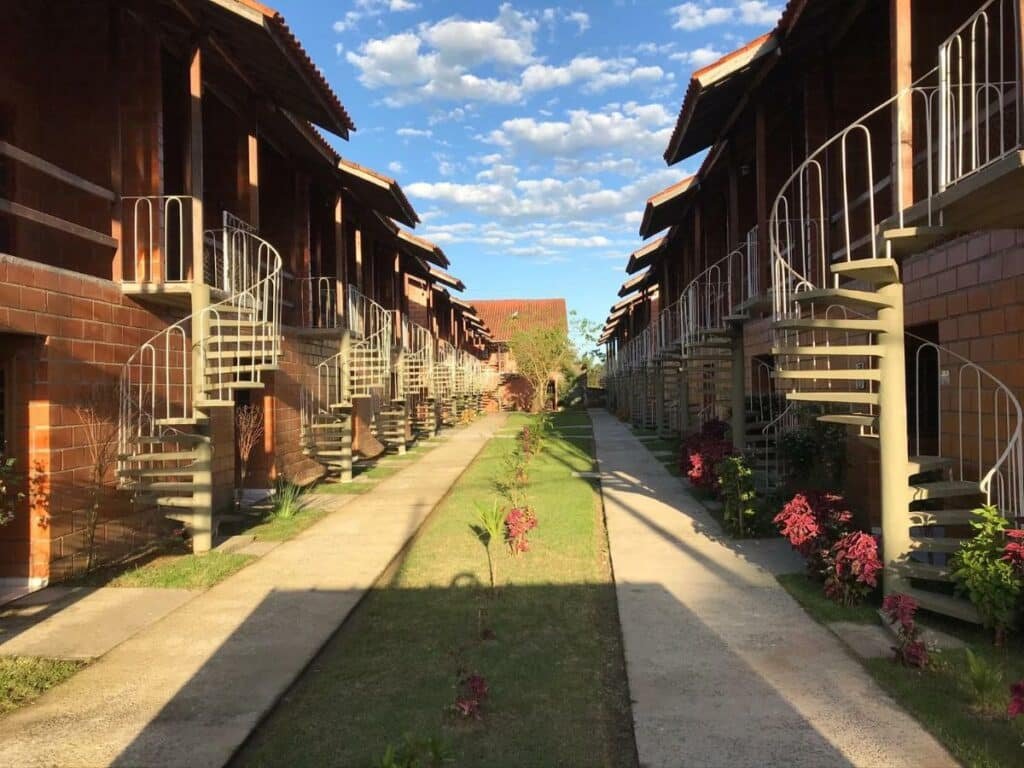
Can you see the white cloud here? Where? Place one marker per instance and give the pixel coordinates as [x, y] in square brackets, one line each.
[692, 15]
[642, 127]
[395, 167]
[414, 133]
[698, 57]
[580, 19]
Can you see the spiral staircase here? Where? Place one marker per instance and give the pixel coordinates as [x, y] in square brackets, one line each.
[445, 365]
[418, 374]
[326, 417]
[948, 431]
[370, 353]
[174, 382]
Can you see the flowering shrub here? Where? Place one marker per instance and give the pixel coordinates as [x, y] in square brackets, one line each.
[470, 697]
[813, 523]
[909, 650]
[854, 568]
[1016, 707]
[518, 524]
[703, 452]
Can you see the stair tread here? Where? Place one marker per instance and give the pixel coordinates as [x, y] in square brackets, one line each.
[843, 297]
[925, 571]
[180, 437]
[166, 487]
[849, 419]
[837, 374]
[874, 271]
[943, 489]
[919, 464]
[947, 605]
[935, 544]
[166, 456]
[830, 396]
[926, 517]
[821, 350]
[175, 422]
[830, 324]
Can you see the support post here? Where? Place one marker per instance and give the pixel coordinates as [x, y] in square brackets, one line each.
[684, 399]
[892, 429]
[901, 57]
[659, 398]
[345, 460]
[738, 393]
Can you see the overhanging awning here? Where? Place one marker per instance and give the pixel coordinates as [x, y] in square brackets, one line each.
[713, 94]
[377, 191]
[423, 248]
[645, 256]
[440, 276]
[623, 305]
[638, 282]
[668, 206]
[258, 42]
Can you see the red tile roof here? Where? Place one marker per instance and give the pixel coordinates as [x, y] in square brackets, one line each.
[506, 316]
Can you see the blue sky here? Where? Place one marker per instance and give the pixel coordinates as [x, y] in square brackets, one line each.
[527, 135]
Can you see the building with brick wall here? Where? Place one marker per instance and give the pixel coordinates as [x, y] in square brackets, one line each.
[177, 239]
[504, 318]
[848, 253]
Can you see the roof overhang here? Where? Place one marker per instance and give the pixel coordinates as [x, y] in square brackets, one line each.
[442, 277]
[638, 282]
[423, 248]
[712, 95]
[377, 191]
[620, 307]
[668, 206]
[262, 47]
[645, 256]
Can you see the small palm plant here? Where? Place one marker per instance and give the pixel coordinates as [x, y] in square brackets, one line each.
[489, 530]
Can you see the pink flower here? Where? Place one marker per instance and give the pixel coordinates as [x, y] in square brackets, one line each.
[1016, 707]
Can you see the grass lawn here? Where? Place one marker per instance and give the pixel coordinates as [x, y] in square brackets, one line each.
[547, 641]
[183, 571]
[973, 727]
[23, 679]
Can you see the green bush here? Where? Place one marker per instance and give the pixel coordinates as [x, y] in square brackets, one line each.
[982, 573]
[742, 515]
[287, 499]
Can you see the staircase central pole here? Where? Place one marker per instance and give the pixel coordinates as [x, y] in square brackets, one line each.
[738, 390]
[892, 429]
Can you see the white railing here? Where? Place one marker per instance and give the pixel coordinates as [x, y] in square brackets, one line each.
[972, 417]
[158, 388]
[714, 294]
[801, 220]
[321, 302]
[156, 239]
[419, 360]
[980, 91]
[669, 327]
[372, 334]
[444, 369]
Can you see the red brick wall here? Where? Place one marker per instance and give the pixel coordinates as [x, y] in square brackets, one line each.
[76, 332]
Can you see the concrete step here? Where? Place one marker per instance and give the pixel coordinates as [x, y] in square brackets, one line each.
[823, 350]
[826, 396]
[956, 607]
[165, 456]
[864, 325]
[842, 297]
[925, 571]
[944, 489]
[919, 464]
[838, 374]
[945, 517]
[874, 271]
[849, 419]
[941, 544]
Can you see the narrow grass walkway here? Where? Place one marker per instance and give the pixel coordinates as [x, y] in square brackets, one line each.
[547, 641]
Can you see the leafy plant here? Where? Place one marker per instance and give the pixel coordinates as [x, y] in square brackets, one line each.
[814, 522]
[986, 683]
[248, 431]
[518, 524]
[982, 571]
[853, 568]
[416, 753]
[910, 649]
[10, 496]
[471, 693]
[813, 453]
[741, 512]
[287, 499]
[492, 520]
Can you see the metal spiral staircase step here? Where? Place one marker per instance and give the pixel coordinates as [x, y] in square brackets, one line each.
[873, 271]
[842, 297]
[944, 517]
[829, 396]
[164, 456]
[144, 472]
[912, 569]
[945, 604]
[921, 464]
[861, 374]
[942, 544]
[829, 350]
[849, 419]
[865, 325]
[944, 489]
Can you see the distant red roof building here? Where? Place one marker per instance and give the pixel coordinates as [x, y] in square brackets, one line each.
[505, 316]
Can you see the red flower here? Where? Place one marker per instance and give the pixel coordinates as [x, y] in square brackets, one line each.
[1013, 553]
[1016, 707]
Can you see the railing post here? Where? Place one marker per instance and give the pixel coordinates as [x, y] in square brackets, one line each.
[348, 413]
[738, 393]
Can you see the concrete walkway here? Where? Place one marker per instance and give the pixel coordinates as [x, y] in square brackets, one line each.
[725, 669]
[189, 689]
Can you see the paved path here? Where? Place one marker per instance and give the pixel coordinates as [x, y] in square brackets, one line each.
[725, 669]
[190, 688]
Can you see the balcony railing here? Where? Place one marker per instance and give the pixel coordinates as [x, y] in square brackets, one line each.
[321, 302]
